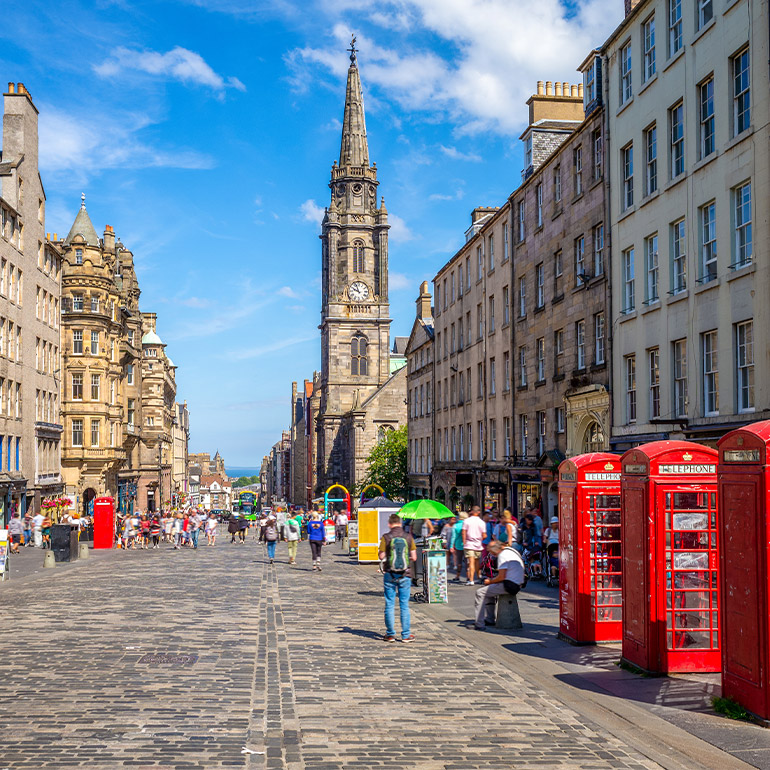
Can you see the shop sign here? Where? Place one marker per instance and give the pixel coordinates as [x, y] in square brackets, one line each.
[435, 564]
[693, 468]
[603, 476]
[352, 538]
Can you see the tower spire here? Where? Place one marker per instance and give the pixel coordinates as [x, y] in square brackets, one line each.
[354, 149]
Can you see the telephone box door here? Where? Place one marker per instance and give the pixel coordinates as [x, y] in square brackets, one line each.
[569, 579]
[104, 522]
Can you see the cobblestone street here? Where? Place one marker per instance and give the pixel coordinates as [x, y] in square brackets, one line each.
[170, 659]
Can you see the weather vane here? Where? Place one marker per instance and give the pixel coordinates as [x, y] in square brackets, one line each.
[352, 49]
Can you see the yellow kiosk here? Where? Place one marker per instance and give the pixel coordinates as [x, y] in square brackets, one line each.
[372, 525]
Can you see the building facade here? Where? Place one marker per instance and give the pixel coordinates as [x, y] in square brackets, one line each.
[30, 287]
[688, 109]
[180, 439]
[358, 395]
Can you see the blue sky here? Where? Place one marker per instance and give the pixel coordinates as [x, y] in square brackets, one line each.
[204, 132]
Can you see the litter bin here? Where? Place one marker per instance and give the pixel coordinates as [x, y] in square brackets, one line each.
[64, 542]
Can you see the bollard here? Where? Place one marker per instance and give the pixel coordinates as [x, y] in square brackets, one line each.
[49, 560]
[83, 552]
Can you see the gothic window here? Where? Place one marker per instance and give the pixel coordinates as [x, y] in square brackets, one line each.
[358, 360]
[593, 440]
[358, 257]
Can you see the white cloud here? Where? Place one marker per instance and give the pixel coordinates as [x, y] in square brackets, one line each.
[399, 230]
[177, 64]
[271, 347]
[458, 195]
[399, 282]
[287, 291]
[455, 154]
[79, 146]
[195, 302]
[312, 212]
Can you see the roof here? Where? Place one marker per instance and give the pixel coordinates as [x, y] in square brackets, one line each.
[83, 226]
[151, 338]
[399, 345]
[207, 479]
[354, 148]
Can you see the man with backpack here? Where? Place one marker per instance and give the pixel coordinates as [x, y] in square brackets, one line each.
[291, 533]
[509, 580]
[397, 553]
[270, 535]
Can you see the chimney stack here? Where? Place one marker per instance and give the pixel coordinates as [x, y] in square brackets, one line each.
[424, 309]
[109, 238]
[630, 5]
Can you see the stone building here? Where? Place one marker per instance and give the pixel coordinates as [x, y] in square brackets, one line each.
[419, 387]
[473, 402]
[689, 168]
[359, 397]
[208, 464]
[180, 438]
[561, 293]
[301, 438]
[30, 287]
[215, 492]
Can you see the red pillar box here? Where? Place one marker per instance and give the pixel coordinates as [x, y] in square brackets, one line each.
[668, 500]
[590, 599]
[104, 522]
[744, 554]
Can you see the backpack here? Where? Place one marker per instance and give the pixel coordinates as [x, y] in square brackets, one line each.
[271, 532]
[398, 555]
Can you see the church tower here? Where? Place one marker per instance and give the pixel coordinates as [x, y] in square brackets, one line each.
[355, 315]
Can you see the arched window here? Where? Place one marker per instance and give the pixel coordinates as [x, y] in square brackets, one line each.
[593, 440]
[358, 359]
[358, 257]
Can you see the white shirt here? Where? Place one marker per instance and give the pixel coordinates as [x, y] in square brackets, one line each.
[38, 520]
[511, 562]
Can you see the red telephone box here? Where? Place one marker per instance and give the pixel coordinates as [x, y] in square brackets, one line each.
[744, 554]
[668, 501]
[590, 598]
[104, 522]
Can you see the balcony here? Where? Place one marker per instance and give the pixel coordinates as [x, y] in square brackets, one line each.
[47, 479]
[50, 430]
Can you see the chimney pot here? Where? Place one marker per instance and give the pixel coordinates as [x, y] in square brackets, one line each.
[540, 88]
[580, 90]
[558, 89]
[11, 88]
[548, 88]
[573, 91]
[20, 88]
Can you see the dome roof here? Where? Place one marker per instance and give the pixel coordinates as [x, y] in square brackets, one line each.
[151, 338]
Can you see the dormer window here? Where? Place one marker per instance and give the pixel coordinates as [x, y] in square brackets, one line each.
[78, 256]
[592, 77]
[528, 151]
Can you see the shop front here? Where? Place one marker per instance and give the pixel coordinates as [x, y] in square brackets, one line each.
[525, 488]
[494, 485]
[13, 496]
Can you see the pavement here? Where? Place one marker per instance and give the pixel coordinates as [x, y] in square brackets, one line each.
[214, 659]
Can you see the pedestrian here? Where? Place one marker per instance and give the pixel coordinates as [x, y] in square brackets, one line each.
[458, 547]
[509, 580]
[177, 531]
[15, 532]
[155, 530]
[447, 533]
[291, 532]
[233, 526]
[193, 528]
[37, 529]
[243, 527]
[341, 525]
[168, 524]
[397, 553]
[144, 527]
[474, 531]
[271, 536]
[316, 534]
[27, 529]
[506, 530]
[211, 530]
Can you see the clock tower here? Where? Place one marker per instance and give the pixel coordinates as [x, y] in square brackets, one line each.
[355, 315]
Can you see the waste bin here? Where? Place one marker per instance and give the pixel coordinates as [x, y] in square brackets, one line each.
[64, 542]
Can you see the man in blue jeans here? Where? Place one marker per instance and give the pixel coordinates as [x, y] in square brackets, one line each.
[397, 553]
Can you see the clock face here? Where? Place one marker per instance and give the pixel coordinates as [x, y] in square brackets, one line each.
[358, 291]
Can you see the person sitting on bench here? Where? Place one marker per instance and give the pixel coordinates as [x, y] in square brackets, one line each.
[509, 580]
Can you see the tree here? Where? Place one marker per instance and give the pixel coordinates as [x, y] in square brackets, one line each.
[386, 464]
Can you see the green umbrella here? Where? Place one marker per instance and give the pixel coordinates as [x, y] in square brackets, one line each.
[425, 509]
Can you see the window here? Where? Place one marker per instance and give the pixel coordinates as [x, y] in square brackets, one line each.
[358, 257]
[558, 352]
[541, 428]
[577, 170]
[452, 347]
[522, 367]
[678, 258]
[506, 306]
[626, 90]
[468, 328]
[95, 386]
[680, 378]
[491, 321]
[523, 433]
[648, 39]
[479, 321]
[629, 287]
[481, 440]
[706, 94]
[742, 243]
[540, 284]
[461, 433]
[627, 164]
[358, 359]
[438, 298]
[77, 433]
[708, 245]
[78, 256]
[493, 439]
[130, 411]
[580, 344]
[77, 387]
[520, 216]
[561, 421]
[94, 343]
[94, 304]
[580, 261]
[528, 151]
[150, 421]
[480, 380]
[557, 183]
[599, 339]
[491, 255]
[446, 295]
[651, 269]
[558, 276]
[460, 335]
[744, 362]
[506, 371]
[653, 364]
[741, 92]
[492, 377]
[94, 432]
[460, 280]
[705, 12]
[522, 296]
[539, 199]
[452, 283]
[540, 347]
[112, 392]
[710, 374]
[506, 242]
[598, 153]
[77, 341]
[77, 303]
[454, 443]
[507, 435]
[461, 388]
[674, 26]
[650, 160]
[676, 124]
[468, 273]
[469, 434]
[480, 260]
[130, 374]
[630, 366]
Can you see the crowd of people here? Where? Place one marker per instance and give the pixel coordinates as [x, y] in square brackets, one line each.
[182, 528]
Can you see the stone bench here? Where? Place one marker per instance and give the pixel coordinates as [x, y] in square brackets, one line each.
[508, 612]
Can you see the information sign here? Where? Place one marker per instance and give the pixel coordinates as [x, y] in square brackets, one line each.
[3, 552]
[436, 576]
